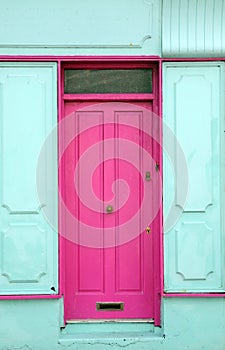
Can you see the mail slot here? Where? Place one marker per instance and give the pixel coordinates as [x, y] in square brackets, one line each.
[108, 306]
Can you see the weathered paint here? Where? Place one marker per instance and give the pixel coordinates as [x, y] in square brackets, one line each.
[36, 325]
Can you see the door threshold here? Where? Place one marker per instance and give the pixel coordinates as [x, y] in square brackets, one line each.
[115, 326]
[119, 320]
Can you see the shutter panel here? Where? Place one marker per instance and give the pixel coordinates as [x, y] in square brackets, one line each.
[194, 259]
[28, 244]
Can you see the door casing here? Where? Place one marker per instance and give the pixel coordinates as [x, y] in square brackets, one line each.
[154, 98]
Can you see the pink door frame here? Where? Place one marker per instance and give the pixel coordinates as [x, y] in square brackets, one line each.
[118, 62]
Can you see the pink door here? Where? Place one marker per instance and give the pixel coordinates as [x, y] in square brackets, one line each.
[111, 197]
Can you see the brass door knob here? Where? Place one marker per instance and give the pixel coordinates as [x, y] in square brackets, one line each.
[148, 230]
[109, 209]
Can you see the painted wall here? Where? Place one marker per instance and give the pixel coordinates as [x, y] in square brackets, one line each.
[118, 28]
[189, 324]
[188, 28]
[193, 28]
[80, 27]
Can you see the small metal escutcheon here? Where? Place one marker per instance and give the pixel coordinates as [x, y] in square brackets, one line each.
[109, 209]
[148, 176]
[148, 230]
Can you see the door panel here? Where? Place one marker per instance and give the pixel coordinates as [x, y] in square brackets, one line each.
[109, 256]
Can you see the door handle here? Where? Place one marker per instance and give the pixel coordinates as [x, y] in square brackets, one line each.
[109, 209]
[148, 230]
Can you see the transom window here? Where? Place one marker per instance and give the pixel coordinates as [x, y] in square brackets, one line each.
[107, 81]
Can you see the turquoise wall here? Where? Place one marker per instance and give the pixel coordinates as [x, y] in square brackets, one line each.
[189, 323]
[80, 27]
[132, 27]
[135, 27]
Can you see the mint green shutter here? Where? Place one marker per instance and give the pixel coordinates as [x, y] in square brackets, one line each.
[28, 244]
[194, 245]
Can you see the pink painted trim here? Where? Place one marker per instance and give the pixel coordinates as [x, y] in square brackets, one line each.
[128, 62]
[41, 296]
[157, 224]
[108, 97]
[100, 59]
[30, 296]
[61, 179]
[161, 208]
[191, 59]
[108, 64]
[74, 59]
[194, 295]
[159, 261]
[59, 105]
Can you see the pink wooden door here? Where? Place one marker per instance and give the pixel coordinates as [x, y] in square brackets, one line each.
[109, 187]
